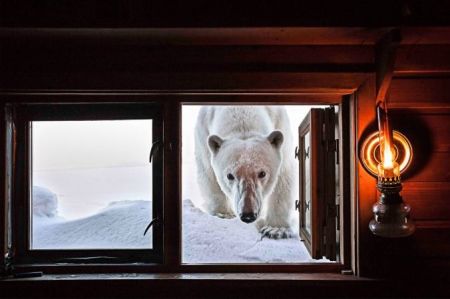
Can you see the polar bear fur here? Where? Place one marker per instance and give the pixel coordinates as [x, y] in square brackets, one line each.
[243, 141]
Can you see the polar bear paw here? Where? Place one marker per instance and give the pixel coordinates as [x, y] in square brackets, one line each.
[225, 215]
[276, 232]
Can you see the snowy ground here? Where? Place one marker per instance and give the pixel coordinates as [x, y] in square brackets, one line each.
[118, 226]
[206, 239]
[209, 239]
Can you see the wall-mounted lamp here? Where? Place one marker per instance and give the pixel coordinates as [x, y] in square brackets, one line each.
[391, 213]
[387, 154]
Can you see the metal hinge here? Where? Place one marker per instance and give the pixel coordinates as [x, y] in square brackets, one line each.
[8, 267]
[297, 205]
[346, 272]
[333, 146]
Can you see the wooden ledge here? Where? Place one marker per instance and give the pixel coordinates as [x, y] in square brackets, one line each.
[197, 276]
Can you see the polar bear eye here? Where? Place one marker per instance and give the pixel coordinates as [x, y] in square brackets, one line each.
[230, 176]
[262, 174]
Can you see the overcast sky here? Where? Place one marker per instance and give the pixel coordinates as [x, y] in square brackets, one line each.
[93, 144]
[90, 144]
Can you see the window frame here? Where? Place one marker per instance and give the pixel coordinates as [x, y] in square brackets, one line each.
[170, 104]
[22, 116]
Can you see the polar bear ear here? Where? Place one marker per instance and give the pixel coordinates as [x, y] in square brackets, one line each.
[276, 138]
[214, 143]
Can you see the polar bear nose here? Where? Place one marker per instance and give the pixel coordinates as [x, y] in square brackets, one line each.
[248, 217]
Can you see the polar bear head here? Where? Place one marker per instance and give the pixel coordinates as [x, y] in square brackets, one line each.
[247, 170]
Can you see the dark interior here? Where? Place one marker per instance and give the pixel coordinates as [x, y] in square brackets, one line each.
[85, 52]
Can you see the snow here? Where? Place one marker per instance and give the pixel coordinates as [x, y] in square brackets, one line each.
[120, 225]
[209, 239]
[45, 203]
[206, 239]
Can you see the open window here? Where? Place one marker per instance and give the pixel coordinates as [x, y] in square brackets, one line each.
[87, 183]
[209, 236]
[319, 187]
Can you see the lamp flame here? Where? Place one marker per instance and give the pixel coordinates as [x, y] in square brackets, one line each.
[388, 169]
[388, 157]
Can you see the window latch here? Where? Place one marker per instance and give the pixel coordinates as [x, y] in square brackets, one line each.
[154, 221]
[155, 147]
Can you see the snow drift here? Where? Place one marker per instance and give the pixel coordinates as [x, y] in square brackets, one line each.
[120, 225]
[45, 202]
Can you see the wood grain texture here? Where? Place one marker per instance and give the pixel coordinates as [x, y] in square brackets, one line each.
[338, 83]
[420, 109]
[420, 93]
[429, 200]
[3, 206]
[27, 56]
[414, 59]
[366, 252]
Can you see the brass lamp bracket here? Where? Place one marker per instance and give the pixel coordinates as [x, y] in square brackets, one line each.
[385, 53]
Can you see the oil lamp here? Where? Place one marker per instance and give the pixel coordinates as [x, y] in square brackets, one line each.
[391, 213]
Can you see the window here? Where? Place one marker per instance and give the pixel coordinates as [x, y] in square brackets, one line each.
[237, 172]
[319, 182]
[67, 176]
[85, 188]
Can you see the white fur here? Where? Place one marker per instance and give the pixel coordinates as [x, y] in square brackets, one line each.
[243, 133]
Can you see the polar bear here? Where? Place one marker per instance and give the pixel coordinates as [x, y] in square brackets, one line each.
[246, 166]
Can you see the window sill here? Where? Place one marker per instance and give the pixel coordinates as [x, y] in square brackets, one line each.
[208, 285]
[205, 285]
[297, 277]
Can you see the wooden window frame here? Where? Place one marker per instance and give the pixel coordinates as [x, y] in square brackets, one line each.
[170, 105]
[22, 116]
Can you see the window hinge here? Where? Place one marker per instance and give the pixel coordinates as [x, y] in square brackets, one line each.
[332, 145]
[8, 267]
[346, 272]
[9, 271]
[297, 205]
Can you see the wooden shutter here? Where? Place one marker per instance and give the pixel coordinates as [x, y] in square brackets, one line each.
[317, 166]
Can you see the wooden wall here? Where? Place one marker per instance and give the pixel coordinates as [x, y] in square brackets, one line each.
[419, 100]
[419, 104]
[423, 105]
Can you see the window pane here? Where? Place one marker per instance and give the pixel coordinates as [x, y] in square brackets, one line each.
[212, 229]
[92, 184]
[307, 190]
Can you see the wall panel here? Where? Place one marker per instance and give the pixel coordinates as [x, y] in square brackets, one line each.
[422, 104]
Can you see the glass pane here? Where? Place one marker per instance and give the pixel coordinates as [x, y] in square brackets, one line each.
[307, 178]
[213, 232]
[92, 184]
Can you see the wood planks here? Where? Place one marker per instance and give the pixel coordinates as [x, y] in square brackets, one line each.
[422, 104]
